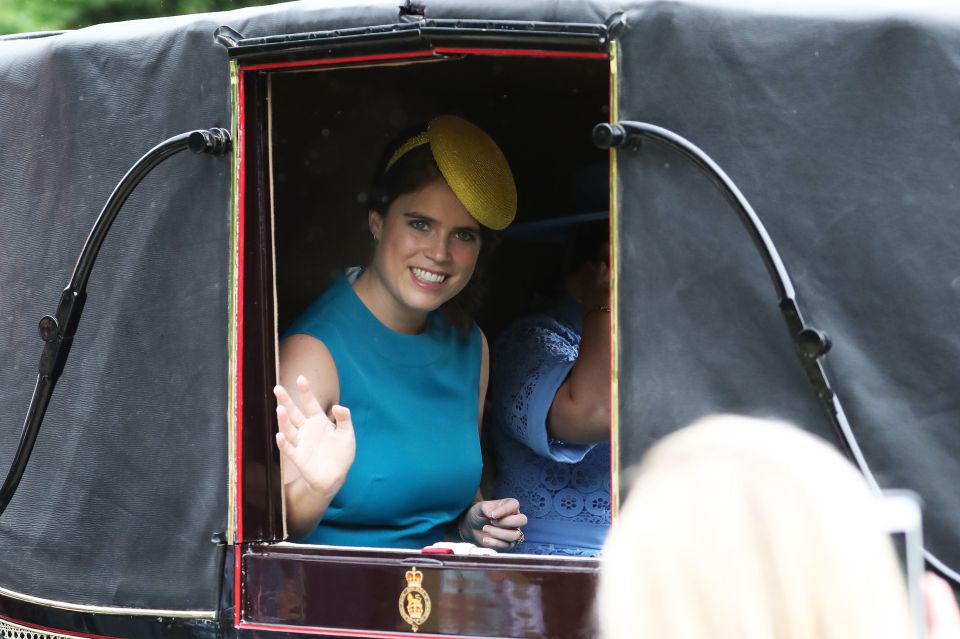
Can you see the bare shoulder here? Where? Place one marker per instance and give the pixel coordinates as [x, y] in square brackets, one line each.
[308, 356]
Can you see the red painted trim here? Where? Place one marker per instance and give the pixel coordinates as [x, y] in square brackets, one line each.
[58, 631]
[339, 632]
[236, 585]
[239, 345]
[525, 53]
[528, 53]
[241, 184]
[328, 61]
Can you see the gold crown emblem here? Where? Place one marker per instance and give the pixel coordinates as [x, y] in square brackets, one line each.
[414, 578]
[414, 601]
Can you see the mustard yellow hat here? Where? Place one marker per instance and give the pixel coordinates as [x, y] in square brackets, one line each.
[473, 166]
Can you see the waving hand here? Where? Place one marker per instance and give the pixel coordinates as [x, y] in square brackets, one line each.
[317, 451]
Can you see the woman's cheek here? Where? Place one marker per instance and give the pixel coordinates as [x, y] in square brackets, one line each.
[471, 265]
[405, 244]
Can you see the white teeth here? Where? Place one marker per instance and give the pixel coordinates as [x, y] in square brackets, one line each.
[427, 276]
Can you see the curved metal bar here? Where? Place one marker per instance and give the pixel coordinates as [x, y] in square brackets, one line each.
[58, 330]
[811, 343]
[626, 132]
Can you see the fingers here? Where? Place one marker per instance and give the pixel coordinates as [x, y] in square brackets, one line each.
[504, 513]
[497, 537]
[286, 449]
[518, 520]
[498, 508]
[308, 400]
[601, 279]
[287, 429]
[603, 273]
[284, 399]
[341, 415]
[503, 522]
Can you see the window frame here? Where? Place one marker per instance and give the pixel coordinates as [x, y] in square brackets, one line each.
[257, 508]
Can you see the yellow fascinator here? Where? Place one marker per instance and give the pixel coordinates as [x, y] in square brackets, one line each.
[473, 166]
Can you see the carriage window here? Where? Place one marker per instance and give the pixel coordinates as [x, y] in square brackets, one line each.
[328, 129]
[313, 139]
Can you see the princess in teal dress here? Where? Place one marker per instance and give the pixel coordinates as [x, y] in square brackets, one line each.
[380, 446]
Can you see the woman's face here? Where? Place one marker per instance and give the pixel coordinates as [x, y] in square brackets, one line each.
[427, 246]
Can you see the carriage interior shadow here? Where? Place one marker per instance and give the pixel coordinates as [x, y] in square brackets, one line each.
[327, 130]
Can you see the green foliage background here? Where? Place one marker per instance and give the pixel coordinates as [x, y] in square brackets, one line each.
[19, 16]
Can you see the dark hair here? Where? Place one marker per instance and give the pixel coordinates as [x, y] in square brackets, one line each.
[413, 171]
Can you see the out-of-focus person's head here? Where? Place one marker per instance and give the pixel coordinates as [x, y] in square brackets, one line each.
[750, 529]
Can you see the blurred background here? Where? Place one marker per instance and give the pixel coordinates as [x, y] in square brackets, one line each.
[19, 16]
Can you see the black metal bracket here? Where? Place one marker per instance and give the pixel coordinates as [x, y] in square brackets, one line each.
[810, 343]
[57, 330]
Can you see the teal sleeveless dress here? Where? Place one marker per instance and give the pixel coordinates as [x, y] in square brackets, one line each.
[414, 401]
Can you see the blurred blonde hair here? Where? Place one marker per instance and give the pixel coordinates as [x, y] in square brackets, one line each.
[749, 529]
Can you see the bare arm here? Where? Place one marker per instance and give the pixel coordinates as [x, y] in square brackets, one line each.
[316, 451]
[580, 412]
[308, 356]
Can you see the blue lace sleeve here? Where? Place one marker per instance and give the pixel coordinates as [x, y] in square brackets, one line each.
[530, 361]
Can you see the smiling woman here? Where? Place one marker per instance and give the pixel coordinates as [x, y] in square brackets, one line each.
[379, 342]
[427, 249]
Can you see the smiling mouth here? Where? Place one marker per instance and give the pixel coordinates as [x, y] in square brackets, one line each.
[427, 277]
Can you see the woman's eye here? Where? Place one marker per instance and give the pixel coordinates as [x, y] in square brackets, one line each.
[420, 225]
[465, 236]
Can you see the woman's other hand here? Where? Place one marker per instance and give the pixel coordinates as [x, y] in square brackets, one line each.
[494, 524]
[580, 412]
[319, 450]
[590, 285]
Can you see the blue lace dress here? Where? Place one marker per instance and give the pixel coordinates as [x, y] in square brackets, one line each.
[564, 489]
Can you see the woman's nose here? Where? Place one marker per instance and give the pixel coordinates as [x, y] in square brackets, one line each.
[439, 250]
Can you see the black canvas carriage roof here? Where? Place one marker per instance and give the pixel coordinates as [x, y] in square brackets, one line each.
[128, 480]
[839, 125]
[840, 128]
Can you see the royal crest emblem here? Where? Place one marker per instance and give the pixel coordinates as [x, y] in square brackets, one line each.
[414, 600]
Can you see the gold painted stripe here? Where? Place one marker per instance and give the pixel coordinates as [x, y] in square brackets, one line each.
[614, 292]
[107, 610]
[232, 284]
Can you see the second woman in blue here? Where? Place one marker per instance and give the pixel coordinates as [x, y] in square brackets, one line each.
[402, 467]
